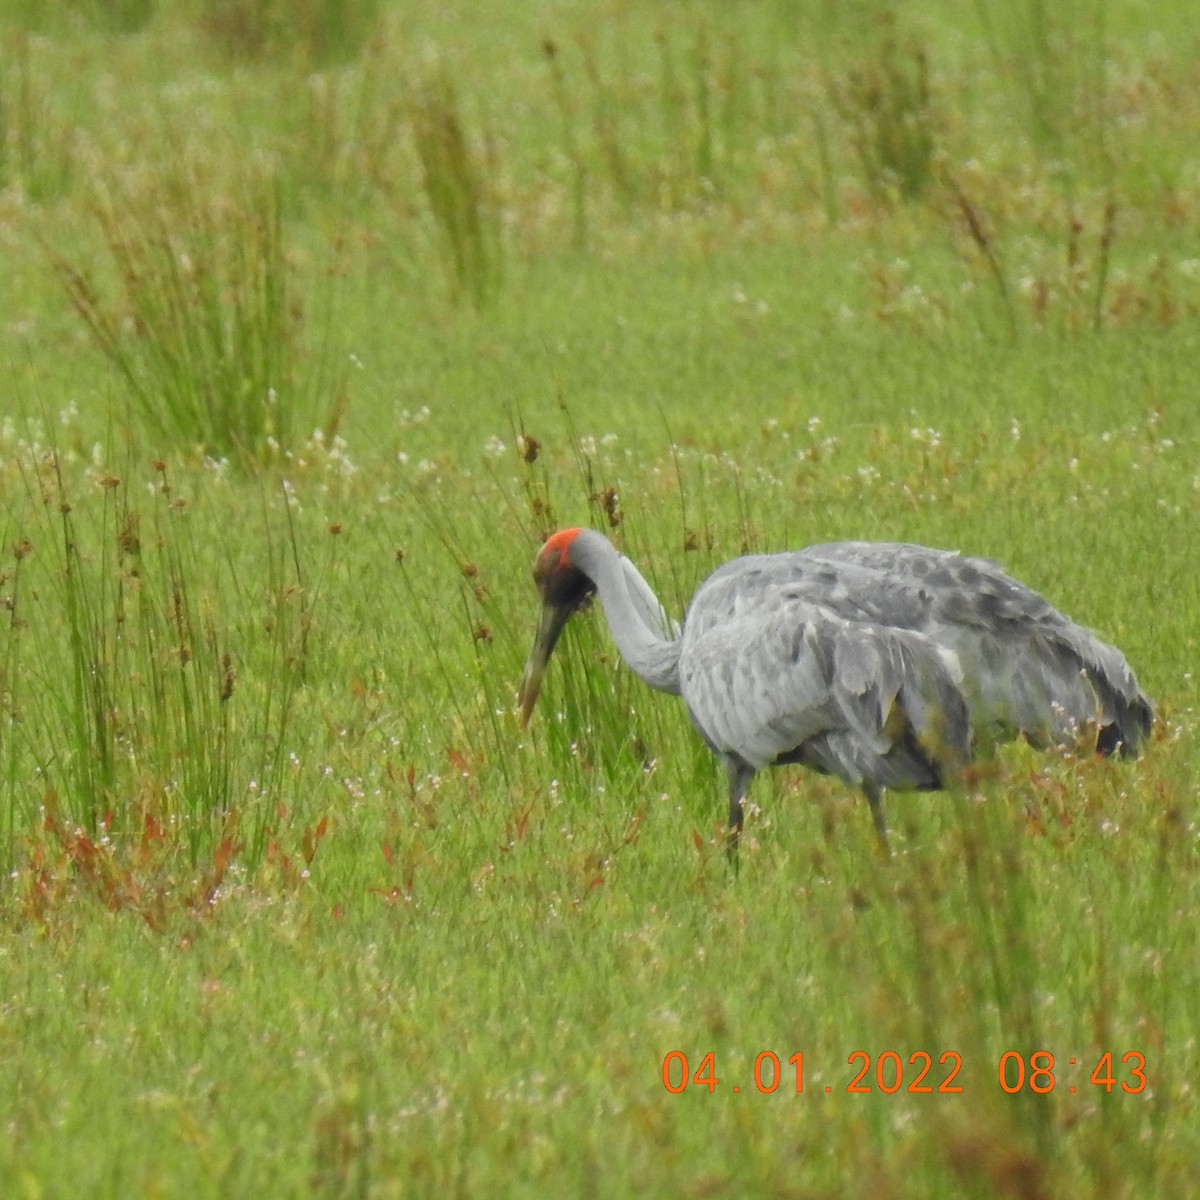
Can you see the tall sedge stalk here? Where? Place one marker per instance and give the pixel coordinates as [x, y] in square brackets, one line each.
[571, 148]
[11, 624]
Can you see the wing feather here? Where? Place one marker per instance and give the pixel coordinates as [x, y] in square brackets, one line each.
[1026, 667]
[781, 678]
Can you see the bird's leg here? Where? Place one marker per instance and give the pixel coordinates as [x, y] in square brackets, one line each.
[874, 795]
[739, 776]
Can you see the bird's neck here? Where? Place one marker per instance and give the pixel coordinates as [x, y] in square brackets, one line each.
[632, 611]
[652, 659]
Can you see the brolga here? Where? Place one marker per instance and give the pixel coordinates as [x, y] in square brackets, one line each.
[885, 664]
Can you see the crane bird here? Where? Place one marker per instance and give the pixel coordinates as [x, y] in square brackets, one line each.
[886, 664]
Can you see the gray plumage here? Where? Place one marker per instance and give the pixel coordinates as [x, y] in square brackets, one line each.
[885, 664]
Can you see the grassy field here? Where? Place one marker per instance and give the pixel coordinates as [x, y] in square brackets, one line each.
[316, 319]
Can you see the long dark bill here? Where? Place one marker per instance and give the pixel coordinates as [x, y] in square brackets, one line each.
[554, 617]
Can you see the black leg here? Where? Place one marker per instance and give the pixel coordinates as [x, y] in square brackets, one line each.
[875, 800]
[739, 776]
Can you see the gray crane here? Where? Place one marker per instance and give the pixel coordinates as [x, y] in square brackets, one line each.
[886, 664]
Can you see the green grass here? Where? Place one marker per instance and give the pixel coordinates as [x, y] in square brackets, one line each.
[289, 905]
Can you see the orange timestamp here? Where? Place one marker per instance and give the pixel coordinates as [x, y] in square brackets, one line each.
[890, 1072]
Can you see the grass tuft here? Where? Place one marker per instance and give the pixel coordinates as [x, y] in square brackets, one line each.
[319, 33]
[1059, 55]
[206, 330]
[455, 182]
[37, 147]
[136, 711]
[885, 101]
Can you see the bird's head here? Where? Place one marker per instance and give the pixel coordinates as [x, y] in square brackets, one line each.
[563, 587]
